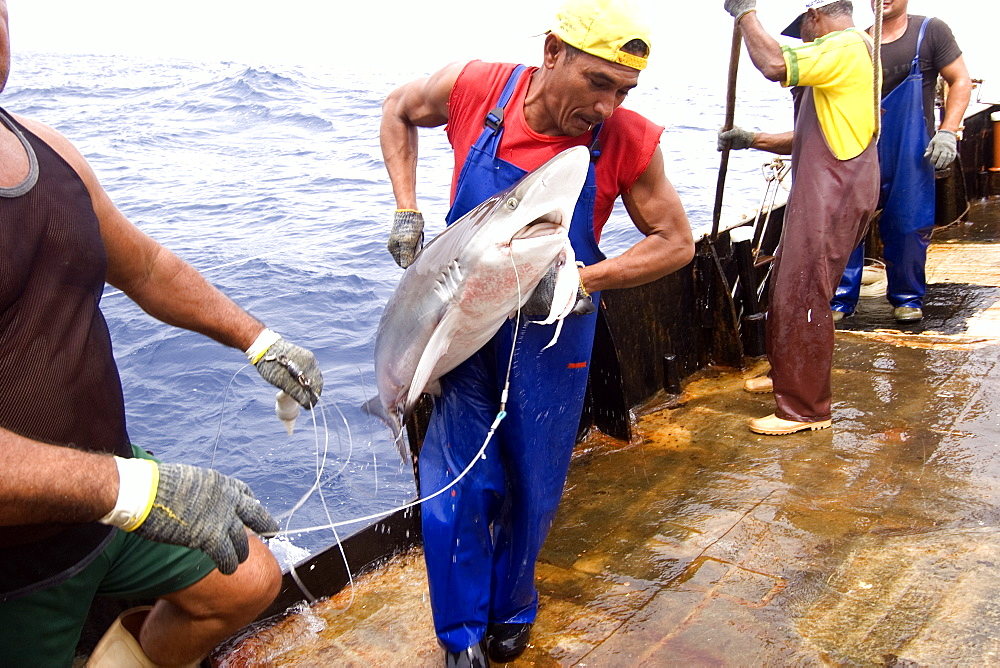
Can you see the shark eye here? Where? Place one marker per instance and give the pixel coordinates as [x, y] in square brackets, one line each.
[512, 203]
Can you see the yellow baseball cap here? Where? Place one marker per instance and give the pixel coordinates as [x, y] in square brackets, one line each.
[602, 27]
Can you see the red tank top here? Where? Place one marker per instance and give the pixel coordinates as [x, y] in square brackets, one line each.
[628, 140]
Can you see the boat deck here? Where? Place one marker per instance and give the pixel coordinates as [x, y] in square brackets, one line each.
[700, 543]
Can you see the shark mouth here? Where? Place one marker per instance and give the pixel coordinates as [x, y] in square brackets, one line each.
[546, 225]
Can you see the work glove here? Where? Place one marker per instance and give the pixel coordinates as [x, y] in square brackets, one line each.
[740, 7]
[943, 149]
[540, 302]
[288, 367]
[190, 506]
[736, 139]
[407, 236]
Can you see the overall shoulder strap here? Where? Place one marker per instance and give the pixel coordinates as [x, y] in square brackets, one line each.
[920, 37]
[494, 119]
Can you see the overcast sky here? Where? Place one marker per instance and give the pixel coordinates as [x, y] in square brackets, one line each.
[690, 37]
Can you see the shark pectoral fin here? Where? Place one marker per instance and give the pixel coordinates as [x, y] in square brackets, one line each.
[436, 347]
[564, 295]
[374, 408]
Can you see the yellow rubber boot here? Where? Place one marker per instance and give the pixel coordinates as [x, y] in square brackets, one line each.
[119, 646]
[759, 385]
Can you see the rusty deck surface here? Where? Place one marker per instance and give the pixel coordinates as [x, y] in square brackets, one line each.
[876, 542]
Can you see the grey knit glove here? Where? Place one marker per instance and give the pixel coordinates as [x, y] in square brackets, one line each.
[540, 302]
[942, 149]
[740, 7]
[205, 510]
[736, 139]
[292, 369]
[407, 236]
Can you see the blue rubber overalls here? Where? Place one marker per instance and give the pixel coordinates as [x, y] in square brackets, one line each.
[906, 199]
[482, 537]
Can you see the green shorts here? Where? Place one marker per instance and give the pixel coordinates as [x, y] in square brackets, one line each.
[43, 628]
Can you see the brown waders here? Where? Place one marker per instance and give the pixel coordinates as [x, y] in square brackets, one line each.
[828, 210]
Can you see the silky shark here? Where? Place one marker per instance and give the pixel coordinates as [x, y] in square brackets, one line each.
[473, 276]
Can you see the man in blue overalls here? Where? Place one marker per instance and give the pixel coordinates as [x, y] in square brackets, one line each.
[915, 49]
[482, 539]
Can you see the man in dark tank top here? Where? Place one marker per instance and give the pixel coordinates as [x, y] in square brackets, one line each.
[83, 513]
[915, 51]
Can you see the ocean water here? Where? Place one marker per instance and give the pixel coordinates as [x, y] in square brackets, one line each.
[270, 182]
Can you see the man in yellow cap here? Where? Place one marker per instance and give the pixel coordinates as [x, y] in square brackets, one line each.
[482, 539]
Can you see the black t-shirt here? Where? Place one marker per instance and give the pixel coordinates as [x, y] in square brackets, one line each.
[939, 49]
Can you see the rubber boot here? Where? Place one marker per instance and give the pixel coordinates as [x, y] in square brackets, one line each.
[119, 646]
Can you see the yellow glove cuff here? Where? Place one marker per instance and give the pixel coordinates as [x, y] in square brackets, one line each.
[583, 288]
[259, 347]
[137, 483]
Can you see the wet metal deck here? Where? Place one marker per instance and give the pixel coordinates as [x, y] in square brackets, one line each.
[876, 542]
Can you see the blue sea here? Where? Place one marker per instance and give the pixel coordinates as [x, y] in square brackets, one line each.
[269, 180]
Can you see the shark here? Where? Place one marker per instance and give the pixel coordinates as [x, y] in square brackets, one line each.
[470, 278]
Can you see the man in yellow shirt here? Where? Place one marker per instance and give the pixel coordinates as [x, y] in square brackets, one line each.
[835, 182]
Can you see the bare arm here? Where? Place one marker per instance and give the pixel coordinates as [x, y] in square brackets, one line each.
[162, 284]
[956, 102]
[656, 210]
[774, 143]
[41, 483]
[421, 103]
[764, 50]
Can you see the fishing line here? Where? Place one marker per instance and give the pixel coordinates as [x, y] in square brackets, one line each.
[319, 407]
[364, 392]
[479, 455]
[321, 456]
[222, 414]
[318, 486]
[320, 404]
[501, 414]
[321, 464]
[321, 460]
